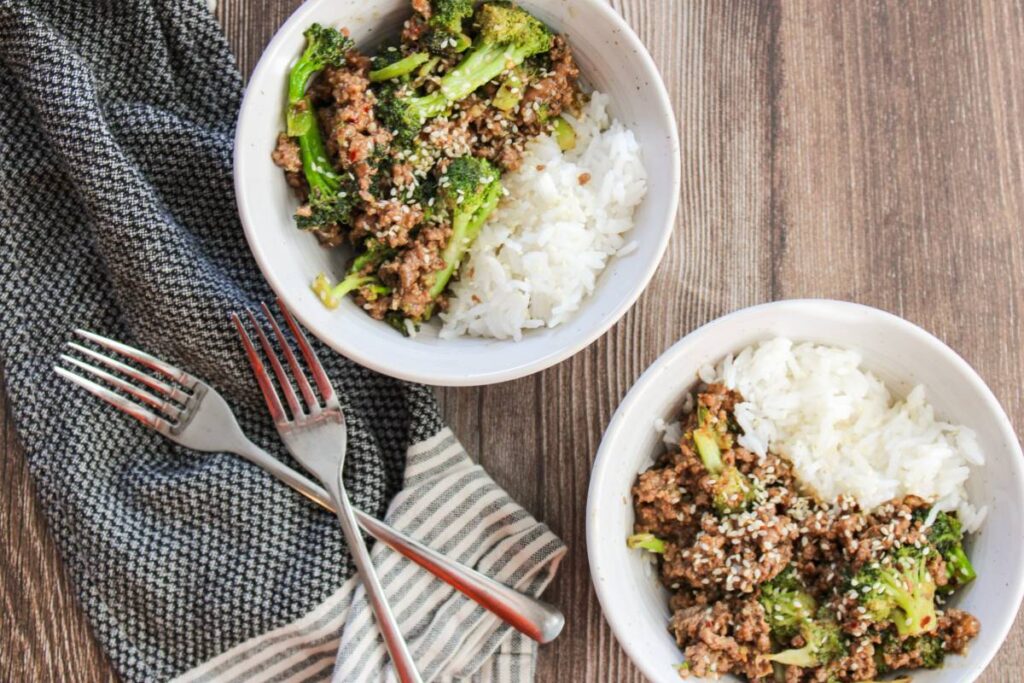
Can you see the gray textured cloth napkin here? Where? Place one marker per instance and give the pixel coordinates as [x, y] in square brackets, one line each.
[117, 215]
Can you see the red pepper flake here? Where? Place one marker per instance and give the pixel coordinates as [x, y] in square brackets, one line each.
[584, 178]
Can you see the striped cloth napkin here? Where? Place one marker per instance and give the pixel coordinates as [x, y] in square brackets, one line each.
[452, 505]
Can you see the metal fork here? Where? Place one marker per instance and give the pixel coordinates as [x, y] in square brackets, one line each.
[191, 413]
[316, 435]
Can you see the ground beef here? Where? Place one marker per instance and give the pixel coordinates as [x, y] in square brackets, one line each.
[656, 498]
[421, 7]
[414, 29]
[556, 92]
[728, 637]
[410, 275]
[739, 553]
[390, 221]
[392, 182]
[288, 157]
[957, 628]
[402, 175]
[355, 133]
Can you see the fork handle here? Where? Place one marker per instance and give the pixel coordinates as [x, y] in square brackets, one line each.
[533, 618]
[401, 658]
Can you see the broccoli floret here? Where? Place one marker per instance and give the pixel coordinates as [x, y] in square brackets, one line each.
[930, 648]
[507, 35]
[900, 589]
[787, 604]
[470, 190]
[946, 534]
[424, 191]
[404, 114]
[732, 490]
[324, 47]
[361, 276]
[385, 57]
[442, 43]
[449, 14]
[790, 611]
[398, 322]
[824, 644]
[327, 205]
[445, 36]
[933, 651]
[648, 542]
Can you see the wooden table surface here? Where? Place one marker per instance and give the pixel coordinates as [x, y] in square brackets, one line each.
[868, 151]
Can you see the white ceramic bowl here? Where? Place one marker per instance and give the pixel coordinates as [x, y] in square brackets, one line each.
[611, 59]
[902, 355]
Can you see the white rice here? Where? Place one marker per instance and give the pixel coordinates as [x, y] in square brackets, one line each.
[540, 254]
[844, 432]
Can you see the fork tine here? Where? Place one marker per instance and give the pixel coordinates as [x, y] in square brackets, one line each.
[322, 381]
[275, 363]
[120, 402]
[293, 362]
[262, 378]
[160, 404]
[152, 362]
[172, 392]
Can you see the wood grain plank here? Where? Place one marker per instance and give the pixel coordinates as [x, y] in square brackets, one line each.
[44, 634]
[713, 56]
[898, 182]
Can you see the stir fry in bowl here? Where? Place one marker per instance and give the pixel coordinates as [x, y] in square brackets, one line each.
[769, 581]
[400, 154]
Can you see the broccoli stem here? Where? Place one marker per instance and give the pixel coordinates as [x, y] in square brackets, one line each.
[427, 67]
[357, 278]
[803, 657]
[317, 168]
[708, 450]
[481, 66]
[332, 296]
[323, 47]
[959, 567]
[565, 136]
[428, 106]
[400, 68]
[510, 93]
[465, 228]
[299, 77]
[648, 542]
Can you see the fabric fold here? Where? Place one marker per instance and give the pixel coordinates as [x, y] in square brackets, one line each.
[458, 510]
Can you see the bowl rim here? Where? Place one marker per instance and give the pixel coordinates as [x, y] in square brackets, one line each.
[594, 539]
[430, 374]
